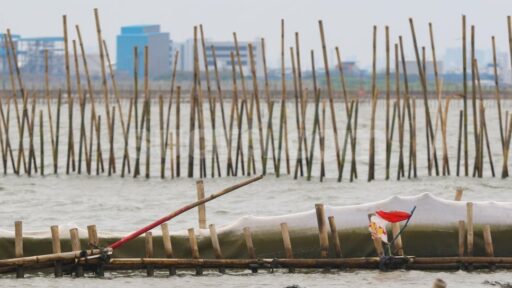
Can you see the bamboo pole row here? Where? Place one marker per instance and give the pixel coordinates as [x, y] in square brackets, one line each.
[246, 152]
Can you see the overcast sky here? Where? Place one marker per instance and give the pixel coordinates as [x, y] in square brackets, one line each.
[348, 24]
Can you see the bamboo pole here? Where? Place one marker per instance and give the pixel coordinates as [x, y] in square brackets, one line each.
[282, 116]
[18, 247]
[221, 102]
[24, 96]
[334, 236]
[166, 238]
[211, 106]
[498, 102]
[469, 221]
[461, 117]
[251, 253]
[199, 106]
[41, 143]
[56, 249]
[82, 142]
[75, 247]
[270, 133]
[428, 119]
[371, 161]
[70, 159]
[331, 96]
[302, 96]
[322, 230]
[94, 117]
[194, 249]
[178, 134]
[298, 161]
[126, 139]
[111, 140]
[173, 80]
[465, 94]
[398, 245]
[118, 102]
[321, 135]
[112, 159]
[489, 248]
[216, 246]
[201, 209]
[257, 101]
[388, 95]
[150, 270]
[286, 241]
[316, 118]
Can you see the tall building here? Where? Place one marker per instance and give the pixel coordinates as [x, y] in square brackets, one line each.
[140, 36]
[223, 51]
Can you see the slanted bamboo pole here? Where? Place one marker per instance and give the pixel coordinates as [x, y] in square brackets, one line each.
[334, 236]
[167, 125]
[331, 97]
[112, 159]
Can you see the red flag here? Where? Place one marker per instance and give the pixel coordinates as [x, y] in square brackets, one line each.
[393, 216]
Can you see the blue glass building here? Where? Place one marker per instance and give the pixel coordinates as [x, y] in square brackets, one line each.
[140, 36]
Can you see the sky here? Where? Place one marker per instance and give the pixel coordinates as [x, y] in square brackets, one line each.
[348, 24]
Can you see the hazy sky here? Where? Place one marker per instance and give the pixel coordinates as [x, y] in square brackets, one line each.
[348, 24]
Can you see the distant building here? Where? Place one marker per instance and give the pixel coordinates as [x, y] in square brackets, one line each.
[350, 68]
[223, 50]
[31, 55]
[412, 68]
[453, 59]
[141, 36]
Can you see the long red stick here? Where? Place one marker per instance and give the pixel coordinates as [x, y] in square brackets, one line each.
[143, 230]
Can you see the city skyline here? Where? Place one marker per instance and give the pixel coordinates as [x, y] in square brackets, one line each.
[225, 17]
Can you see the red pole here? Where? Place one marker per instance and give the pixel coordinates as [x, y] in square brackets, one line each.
[185, 208]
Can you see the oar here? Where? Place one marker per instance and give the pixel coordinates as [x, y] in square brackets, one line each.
[185, 208]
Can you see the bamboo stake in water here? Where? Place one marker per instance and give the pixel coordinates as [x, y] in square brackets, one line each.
[211, 105]
[388, 95]
[71, 147]
[331, 97]
[371, 161]
[270, 132]
[118, 101]
[48, 102]
[92, 99]
[82, 142]
[178, 143]
[504, 172]
[465, 95]
[428, 120]
[112, 159]
[173, 80]
[41, 143]
[126, 138]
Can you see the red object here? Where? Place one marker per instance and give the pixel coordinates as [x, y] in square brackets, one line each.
[185, 208]
[393, 216]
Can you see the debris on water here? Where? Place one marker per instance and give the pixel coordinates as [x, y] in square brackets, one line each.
[498, 284]
[293, 286]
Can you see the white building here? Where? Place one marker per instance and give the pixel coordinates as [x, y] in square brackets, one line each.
[223, 51]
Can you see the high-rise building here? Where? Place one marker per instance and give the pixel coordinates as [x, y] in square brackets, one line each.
[141, 36]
